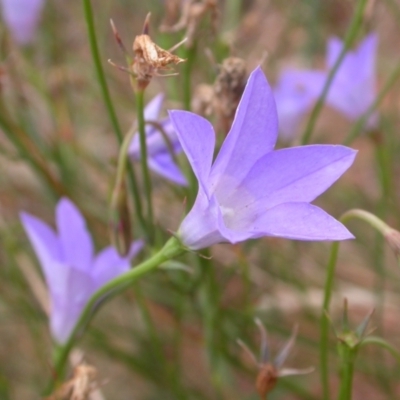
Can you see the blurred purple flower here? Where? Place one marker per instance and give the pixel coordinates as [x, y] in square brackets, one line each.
[71, 270]
[250, 190]
[294, 94]
[160, 147]
[353, 89]
[22, 18]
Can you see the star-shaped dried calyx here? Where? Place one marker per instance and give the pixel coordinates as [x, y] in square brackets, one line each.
[149, 59]
[193, 11]
[269, 371]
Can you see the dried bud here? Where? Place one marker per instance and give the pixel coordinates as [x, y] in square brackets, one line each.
[270, 370]
[79, 387]
[228, 90]
[192, 14]
[266, 379]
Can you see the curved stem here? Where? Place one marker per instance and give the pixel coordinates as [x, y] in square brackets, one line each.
[143, 161]
[382, 343]
[107, 100]
[348, 41]
[170, 250]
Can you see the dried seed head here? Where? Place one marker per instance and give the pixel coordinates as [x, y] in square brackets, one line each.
[149, 58]
[193, 11]
[228, 90]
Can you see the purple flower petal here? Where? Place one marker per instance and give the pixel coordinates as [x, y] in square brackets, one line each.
[76, 243]
[254, 129]
[68, 303]
[198, 146]
[297, 174]
[108, 264]
[164, 165]
[22, 18]
[294, 94]
[47, 248]
[201, 227]
[153, 108]
[159, 143]
[299, 221]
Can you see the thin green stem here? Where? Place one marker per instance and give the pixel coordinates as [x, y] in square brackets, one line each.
[348, 41]
[107, 100]
[377, 341]
[360, 123]
[143, 161]
[170, 250]
[324, 323]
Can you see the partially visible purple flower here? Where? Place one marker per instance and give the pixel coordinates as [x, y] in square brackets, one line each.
[353, 89]
[250, 190]
[22, 18]
[160, 147]
[294, 94]
[71, 269]
[351, 92]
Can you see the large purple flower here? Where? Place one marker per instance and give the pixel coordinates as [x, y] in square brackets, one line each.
[22, 18]
[251, 190]
[353, 89]
[161, 145]
[71, 269]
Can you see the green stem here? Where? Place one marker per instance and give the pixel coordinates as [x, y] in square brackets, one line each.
[360, 123]
[377, 341]
[348, 41]
[170, 250]
[107, 99]
[324, 324]
[347, 373]
[143, 161]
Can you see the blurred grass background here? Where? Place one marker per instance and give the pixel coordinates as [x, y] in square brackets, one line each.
[173, 335]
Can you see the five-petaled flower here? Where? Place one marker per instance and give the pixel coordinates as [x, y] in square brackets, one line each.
[22, 18]
[71, 270]
[162, 143]
[250, 190]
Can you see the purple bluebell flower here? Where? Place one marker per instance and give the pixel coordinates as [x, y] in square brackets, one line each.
[71, 269]
[250, 190]
[294, 93]
[161, 146]
[22, 18]
[353, 89]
